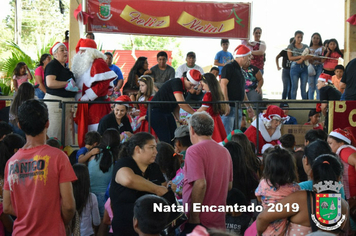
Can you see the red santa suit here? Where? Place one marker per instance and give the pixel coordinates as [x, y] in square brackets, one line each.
[263, 135]
[95, 83]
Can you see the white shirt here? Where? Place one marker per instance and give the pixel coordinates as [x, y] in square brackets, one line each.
[183, 68]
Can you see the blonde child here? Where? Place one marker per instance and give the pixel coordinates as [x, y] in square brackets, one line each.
[213, 93]
[145, 94]
[333, 53]
[279, 180]
[21, 74]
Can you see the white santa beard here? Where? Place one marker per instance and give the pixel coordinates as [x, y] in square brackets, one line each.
[81, 63]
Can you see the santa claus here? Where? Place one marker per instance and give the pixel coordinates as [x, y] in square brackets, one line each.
[94, 78]
[269, 125]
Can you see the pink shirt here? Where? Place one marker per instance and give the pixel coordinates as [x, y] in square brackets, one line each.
[109, 210]
[40, 72]
[212, 162]
[331, 63]
[20, 79]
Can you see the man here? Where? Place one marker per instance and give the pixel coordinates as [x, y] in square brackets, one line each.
[233, 87]
[38, 179]
[162, 72]
[94, 78]
[162, 120]
[207, 174]
[120, 78]
[190, 59]
[291, 120]
[348, 81]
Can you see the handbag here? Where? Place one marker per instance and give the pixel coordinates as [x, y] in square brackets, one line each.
[311, 70]
[175, 219]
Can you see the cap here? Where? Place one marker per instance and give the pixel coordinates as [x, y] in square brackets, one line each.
[85, 44]
[181, 131]
[341, 134]
[325, 78]
[272, 111]
[194, 76]
[55, 47]
[124, 98]
[242, 51]
[283, 105]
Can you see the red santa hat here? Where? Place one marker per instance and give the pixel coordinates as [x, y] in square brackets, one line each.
[242, 51]
[274, 111]
[84, 44]
[341, 134]
[124, 98]
[194, 76]
[325, 78]
[55, 47]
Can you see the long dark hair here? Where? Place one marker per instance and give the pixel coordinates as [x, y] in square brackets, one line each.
[81, 187]
[251, 159]
[167, 160]
[7, 149]
[280, 168]
[25, 92]
[337, 49]
[295, 34]
[244, 177]
[320, 41]
[327, 167]
[131, 79]
[43, 58]
[18, 68]
[139, 139]
[109, 149]
[216, 93]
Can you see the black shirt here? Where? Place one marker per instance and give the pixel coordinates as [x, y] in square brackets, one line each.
[285, 61]
[123, 198]
[236, 86]
[329, 93]
[109, 121]
[62, 74]
[349, 78]
[166, 93]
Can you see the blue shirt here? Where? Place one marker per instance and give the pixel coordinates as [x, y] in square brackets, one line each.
[291, 121]
[223, 58]
[117, 71]
[81, 151]
[99, 181]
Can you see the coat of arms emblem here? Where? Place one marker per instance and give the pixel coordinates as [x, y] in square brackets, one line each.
[104, 13]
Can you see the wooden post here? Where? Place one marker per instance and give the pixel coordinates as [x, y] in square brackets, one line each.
[74, 34]
[350, 32]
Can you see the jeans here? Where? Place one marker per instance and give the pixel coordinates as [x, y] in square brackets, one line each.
[164, 124]
[287, 84]
[39, 93]
[229, 121]
[299, 71]
[101, 202]
[312, 81]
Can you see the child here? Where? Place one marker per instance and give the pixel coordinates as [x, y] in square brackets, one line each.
[223, 57]
[21, 74]
[213, 93]
[279, 176]
[215, 71]
[86, 202]
[53, 143]
[237, 222]
[333, 53]
[91, 139]
[146, 221]
[167, 160]
[106, 222]
[339, 71]
[145, 94]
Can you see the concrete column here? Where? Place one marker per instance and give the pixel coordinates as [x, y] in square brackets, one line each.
[74, 34]
[350, 32]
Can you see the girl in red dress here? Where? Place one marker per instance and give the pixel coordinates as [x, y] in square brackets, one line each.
[144, 94]
[213, 94]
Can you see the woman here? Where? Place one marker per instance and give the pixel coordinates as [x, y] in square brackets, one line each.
[57, 78]
[314, 119]
[101, 166]
[39, 75]
[254, 81]
[25, 92]
[325, 168]
[315, 48]
[258, 49]
[269, 127]
[118, 119]
[298, 68]
[135, 174]
[285, 72]
[140, 68]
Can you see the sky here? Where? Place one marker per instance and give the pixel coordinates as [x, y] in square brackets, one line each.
[279, 19]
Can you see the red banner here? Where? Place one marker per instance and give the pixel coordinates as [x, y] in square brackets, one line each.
[342, 114]
[167, 18]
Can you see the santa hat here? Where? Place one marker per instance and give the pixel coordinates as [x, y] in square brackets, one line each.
[84, 44]
[325, 78]
[242, 51]
[124, 98]
[194, 76]
[341, 134]
[55, 47]
[273, 111]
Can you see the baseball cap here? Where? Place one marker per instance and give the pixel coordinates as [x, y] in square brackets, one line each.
[181, 131]
[283, 105]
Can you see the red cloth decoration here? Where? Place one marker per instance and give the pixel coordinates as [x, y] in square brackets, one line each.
[318, 107]
[78, 13]
[81, 119]
[352, 20]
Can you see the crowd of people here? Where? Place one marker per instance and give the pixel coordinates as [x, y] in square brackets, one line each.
[139, 152]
